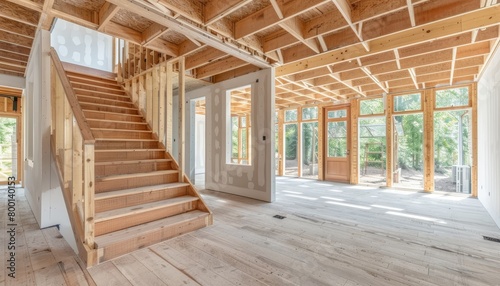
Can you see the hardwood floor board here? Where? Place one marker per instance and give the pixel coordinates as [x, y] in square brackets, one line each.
[162, 269]
[239, 259]
[107, 274]
[322, 261]
[234, 275]
[135, 271]
[188, 266]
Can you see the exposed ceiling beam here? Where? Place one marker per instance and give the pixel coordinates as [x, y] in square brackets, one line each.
[294, 26]
[413, 77]
[453, 61]
[106, 13]
[267, 17]
[443, 28]
[277, 8]
[194, 32]
[347, 83]
[304, 86]
[214, 10]
[152, 33]
[219, 66]
[18, 13]
[345, 9]
[411, 12]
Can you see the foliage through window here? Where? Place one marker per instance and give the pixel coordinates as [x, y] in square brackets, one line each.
[337, 114]
[452, 97]
[240, 125]
[337, 139]
[371, 106]
[291, 115]
[309, 113]
[409, 102]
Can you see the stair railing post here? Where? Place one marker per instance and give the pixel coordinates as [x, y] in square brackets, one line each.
[89, 191]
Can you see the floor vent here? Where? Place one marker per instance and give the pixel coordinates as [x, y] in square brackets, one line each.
[279, 216]
[491, 238]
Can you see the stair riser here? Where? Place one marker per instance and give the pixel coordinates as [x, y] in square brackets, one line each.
[86, 82]
[90, 79]
[144, 240]
[119, 169]
[108, 108]
[107, 116]
[105, 145]
[96, 100]
[128, 155]
[99, 94]
[117, 125]
[113, 90]
[136, 219]
[118, 134]
[104, 96]
[128, 183]
[137, 199]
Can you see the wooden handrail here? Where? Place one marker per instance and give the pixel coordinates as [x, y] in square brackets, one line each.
[87, 135]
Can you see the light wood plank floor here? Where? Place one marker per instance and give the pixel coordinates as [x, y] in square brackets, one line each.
[333, 234]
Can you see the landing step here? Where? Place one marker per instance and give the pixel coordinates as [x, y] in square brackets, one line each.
[136, 210]
[124, 241]
[133, 191]
[135, 175]
[131, 162]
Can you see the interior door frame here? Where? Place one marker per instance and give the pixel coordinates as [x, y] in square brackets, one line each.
[346, 106]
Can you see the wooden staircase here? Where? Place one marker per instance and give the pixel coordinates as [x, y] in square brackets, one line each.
[139, 199]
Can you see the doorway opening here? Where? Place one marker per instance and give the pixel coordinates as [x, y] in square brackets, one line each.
[291, 150]
[372, 151]
[408, 151]
[9, 149]
[452, 151]
[199, 131]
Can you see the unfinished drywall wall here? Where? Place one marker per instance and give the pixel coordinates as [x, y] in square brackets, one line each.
[257, 179]
[489, 138]
[41, 184]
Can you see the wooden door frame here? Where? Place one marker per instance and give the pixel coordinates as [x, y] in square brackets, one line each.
[324, 150]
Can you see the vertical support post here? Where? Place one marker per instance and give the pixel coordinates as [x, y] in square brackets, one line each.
[89, 189]
[182, 111]
[474, 183]
[299, 142]
[59, 97]
[248, 129]
[389, 135]
[429, 140]
[68, 144]
[156, 100]
[161, 115]
[354, 142]
[321, 143]
[281, 161]
[77, 185]
[149, 98]
[169, 107]
[240, 145]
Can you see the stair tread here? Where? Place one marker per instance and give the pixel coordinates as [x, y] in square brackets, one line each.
[129, 150]
[125, 139]
[135, 175]
[110, 112]
[134, 210]
[131, 162]
[116, 121]
[107, 99]
[121, 92]
[107, 105]
[131, 232]
[120, 129]
[138, 190]
[90, 77]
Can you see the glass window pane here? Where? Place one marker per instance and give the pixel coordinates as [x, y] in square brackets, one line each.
[337, 139]
[234, 137]
[337, 113]
[407, 102]
[290, 115]
[452, 97]
[309, 113]
[240, 104]
[243, 143]
[243, 121]
[372, 106]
